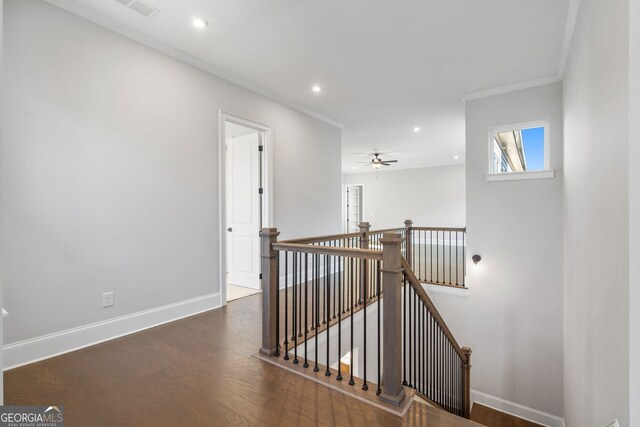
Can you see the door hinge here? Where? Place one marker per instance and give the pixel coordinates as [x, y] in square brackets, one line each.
[261, 148]
[260, 276]
[260, 190]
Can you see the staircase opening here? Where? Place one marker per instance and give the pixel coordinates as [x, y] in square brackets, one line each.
[350, 311]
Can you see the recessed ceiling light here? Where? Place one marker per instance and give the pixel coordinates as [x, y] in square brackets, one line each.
[456, 157]
[200, 23]
[354, 168]
[416, 129]
[316, 89]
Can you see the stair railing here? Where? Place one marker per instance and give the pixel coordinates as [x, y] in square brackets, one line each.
[433, 363]
[311, 285]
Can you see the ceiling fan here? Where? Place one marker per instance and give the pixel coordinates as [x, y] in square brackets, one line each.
[377, 162]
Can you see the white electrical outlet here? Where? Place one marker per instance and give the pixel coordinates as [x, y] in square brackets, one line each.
[107, 299]
[614, 423]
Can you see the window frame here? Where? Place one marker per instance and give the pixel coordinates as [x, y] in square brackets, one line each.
[547, 172]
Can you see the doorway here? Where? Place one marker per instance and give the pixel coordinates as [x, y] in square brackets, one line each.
[354, 207]
[245, 209]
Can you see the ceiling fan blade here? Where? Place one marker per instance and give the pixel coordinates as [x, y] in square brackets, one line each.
[391, 161]
[385, 164]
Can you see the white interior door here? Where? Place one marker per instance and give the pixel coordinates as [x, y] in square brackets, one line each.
[243, 210]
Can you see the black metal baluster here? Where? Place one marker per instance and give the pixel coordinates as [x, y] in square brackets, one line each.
[340, 291]
[299, 285]
[379, 390]
[450, 263]
[422, 345]
[314, 285]
[286, 306]
[344, 284]
[327, 373]
[415, 336]
[419, 250]
[294, 338]
[431, 254]
[441, 369]
[457, 256]
[451, 394]
[410, 320]
[404, 330]
[306, 307]
[351, 381]
[419, 342]
[317, 319]
[324, 298]
[364, 320]
[277, 353]
[427, 361]
[335, 283]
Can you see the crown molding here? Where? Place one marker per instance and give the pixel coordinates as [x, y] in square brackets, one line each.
[103, 21]
[510, 88]
[572, 18]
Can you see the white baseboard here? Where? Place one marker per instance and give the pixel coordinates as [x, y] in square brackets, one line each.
[47, 346]
[516, 409]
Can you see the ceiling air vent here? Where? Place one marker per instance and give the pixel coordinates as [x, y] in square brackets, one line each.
[143, 8]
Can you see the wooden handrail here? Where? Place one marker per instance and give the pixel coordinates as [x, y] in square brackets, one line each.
[328, 250]
[386, 230]
[461, 229]
[417, 286]
[317, 239]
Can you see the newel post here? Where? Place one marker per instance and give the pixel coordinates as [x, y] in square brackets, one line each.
[270, 291]
[408, 225]
[466, 364]
[364, 244]
[392, 392]
[364, 234]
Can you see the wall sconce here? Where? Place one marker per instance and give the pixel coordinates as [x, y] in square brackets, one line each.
[476, 259]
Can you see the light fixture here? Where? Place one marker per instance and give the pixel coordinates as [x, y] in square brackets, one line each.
[316, 89]
[456, 157]
[376, 165]
[200, 23]
[354, 168]
[416, 129]
[476, 259]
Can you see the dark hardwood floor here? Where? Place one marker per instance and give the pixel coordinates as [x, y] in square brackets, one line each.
[197, 371]
[493, 418]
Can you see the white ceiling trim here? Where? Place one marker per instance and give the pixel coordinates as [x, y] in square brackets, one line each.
[511, 88]
[572, 18]
[75, 8]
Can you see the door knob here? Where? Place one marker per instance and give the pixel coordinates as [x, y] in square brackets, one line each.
[229, 229]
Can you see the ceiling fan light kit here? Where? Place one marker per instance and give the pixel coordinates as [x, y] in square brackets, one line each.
[377, 162]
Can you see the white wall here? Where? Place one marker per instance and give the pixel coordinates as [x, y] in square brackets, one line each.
[596, 274]
[110, 172]
[634, 212]
[1, 235]
[512, 319]
[432, 196]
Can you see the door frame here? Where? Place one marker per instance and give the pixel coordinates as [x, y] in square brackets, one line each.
[344, 204]
[267, 185]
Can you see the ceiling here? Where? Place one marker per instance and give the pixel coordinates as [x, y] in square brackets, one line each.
[384, 67]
